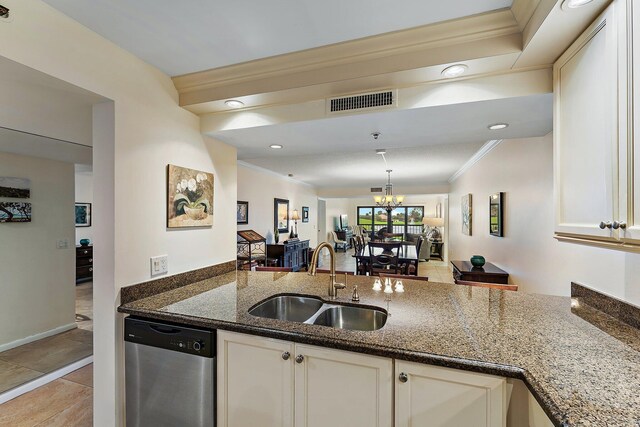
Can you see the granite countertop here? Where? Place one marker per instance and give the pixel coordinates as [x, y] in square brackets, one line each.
[580, 375]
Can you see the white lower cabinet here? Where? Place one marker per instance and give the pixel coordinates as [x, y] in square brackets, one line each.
[266, 382]
[440, 397]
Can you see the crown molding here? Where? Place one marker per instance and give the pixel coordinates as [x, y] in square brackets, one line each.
[523, 10]
[471, 37]
[483, 151]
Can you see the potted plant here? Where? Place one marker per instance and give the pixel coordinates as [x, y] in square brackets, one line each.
[189, 198]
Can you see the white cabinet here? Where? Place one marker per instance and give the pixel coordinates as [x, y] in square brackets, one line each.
[596, 152]
[263, 382]
[340, 388]
[440, 397]
[255, 384]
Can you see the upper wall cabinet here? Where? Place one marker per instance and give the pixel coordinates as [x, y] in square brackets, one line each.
[595, 192]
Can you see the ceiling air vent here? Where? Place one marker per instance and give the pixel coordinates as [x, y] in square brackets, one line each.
[376, 189]
[364, 101]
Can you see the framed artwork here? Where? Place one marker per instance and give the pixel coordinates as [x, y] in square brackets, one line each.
[467, 212]
[83, 214]
[189, 198]
[15, 212]
[281, 215]
[17, 188]
[242, 212]
[495, 214]
[305, 214]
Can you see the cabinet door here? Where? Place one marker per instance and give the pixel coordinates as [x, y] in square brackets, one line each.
[441, 397]
[631, 197]
[255, 383]
[342, 389]
[586, 131]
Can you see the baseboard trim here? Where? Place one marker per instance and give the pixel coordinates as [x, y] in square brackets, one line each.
[44, 379]
[36, 337]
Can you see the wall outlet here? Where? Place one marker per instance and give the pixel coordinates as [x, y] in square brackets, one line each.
[159, 265]
[62, 244]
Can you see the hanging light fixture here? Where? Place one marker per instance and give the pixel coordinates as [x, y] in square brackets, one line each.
[388, 201]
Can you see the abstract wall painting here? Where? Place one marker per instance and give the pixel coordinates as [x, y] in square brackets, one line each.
[466, 209]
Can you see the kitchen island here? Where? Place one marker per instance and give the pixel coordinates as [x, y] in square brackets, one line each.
[579, 374]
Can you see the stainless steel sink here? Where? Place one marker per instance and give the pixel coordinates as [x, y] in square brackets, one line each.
[352, 318]
[312, 310]
[288, 307]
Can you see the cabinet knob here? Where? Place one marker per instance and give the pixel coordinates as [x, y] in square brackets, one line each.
[299, 358]
[90, 259]
[403, 377]
[286, 355]
[620, 224]
[91, 269]
[604, 225]
[86, 252]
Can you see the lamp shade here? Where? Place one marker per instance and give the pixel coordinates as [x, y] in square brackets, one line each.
[294, 215]
[433, 222]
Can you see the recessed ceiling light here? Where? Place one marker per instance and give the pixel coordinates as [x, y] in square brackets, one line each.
[573, 4]
[498, 126]
[276, 146]
[234, 103]
[381, 151]
[454, 70]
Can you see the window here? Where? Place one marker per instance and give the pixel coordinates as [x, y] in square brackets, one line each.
[406, 219]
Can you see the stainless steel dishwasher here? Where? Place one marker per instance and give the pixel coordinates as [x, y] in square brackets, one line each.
[169, 375]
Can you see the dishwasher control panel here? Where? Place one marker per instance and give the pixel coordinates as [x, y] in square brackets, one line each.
[183, 339]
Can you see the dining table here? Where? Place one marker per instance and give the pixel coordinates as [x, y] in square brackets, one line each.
[407, 254]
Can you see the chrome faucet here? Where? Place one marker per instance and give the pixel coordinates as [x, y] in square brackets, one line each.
[333, 285]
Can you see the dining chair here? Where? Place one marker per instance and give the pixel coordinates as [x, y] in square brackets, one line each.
[337, 243]
[361, 263]
[282, 269]
[387, 259]
[411, 268]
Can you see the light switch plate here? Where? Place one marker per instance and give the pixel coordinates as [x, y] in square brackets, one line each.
[159, 265]
[62, 244]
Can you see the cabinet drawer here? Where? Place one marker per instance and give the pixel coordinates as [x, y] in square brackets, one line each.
[84, 271]
[81, 262]
[84, 252]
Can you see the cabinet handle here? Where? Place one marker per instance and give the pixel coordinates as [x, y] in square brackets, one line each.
[299, 358]
[86, 252]
[604, 225]
[286, 355]
[91, 269]
[403, 377]
[90, 259]
[620, 224]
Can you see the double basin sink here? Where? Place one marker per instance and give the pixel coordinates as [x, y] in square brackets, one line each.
[314, 311]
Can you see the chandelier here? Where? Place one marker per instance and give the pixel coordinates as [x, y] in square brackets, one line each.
[388, 201]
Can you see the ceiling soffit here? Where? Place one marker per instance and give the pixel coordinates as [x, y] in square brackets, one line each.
[478, 36]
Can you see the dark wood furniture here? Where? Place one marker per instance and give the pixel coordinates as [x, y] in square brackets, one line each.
[489, 273]
[437, 250]
[292, 253]
[488, 285]
[84, 263]
[408, 254]
[345, 235]
[280, 269]
[251, 249]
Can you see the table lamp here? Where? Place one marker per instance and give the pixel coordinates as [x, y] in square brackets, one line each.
[295, 217]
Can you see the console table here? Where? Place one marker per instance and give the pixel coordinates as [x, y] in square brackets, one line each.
[489, 273]
[84, 263]
[293, 254]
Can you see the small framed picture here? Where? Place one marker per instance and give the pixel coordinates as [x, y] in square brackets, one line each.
[83, 214]
[305, 214]
[242, 212]
[495, 214]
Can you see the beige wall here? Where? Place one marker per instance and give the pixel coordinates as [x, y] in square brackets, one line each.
[38, 280]
[522, 168]
[139, 134]
[259, 188]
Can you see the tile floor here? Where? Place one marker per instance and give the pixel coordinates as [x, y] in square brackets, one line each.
[67, 402]
[27, 362]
